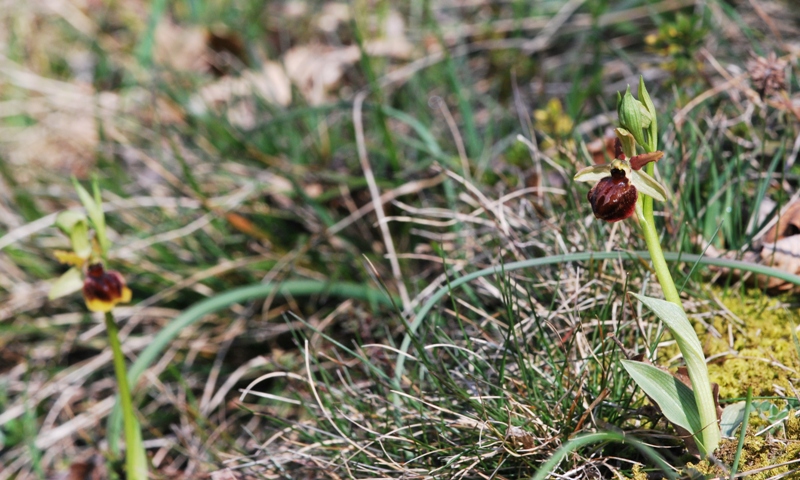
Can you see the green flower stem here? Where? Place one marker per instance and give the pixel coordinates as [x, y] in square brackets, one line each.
[647, 224]
[696, 367]
[135, 457]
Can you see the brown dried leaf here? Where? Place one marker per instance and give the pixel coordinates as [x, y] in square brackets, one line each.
[779, 248]
[180, 48]
[788, 224]
[91, 468]
[235, 95]
[317, 69]
[602, 149]
[783, 255]
[392, 42]
[519, 438]
[333, 14]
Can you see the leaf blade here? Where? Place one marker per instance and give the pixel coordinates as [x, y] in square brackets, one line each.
[675, 399]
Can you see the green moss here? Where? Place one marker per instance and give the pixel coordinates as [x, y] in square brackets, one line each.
[763, 357]
[758, 452]
[638, 473]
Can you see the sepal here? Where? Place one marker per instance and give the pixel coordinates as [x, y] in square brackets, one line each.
[594, 173]
[68, 283]
[648, 185]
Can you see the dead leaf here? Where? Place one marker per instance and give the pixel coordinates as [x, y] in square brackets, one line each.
[602, 149]
[392, 41]
[316, 69]
[295, 9]
[333, 14]
[519, 438]
[235, 95]
[180, 48]
[788, 224]
[783, 255]
[91, 468]
[226, 474]
[779, 248]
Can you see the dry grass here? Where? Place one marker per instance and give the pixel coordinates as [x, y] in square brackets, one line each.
[239, 143]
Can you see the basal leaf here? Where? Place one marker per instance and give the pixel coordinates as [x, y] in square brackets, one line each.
[675, 399]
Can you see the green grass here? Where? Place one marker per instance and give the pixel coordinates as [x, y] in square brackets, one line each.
[502, 374]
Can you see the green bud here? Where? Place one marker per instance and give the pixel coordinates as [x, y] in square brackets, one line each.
[630, 116]
[94, 207]
[646, 117]
[652, 129]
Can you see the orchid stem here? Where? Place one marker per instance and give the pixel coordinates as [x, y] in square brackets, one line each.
[698, 371]
[135, 457]
[654, 247]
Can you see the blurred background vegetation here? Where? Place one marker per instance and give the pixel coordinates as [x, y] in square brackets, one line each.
[395, 146]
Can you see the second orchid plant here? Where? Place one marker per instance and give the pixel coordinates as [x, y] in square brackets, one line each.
[102, 290]
[627, 187]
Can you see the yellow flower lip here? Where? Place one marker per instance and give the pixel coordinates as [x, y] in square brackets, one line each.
[69, 258]
[103, 290]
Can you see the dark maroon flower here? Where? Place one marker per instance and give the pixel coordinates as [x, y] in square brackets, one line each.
[613, 198]
[102, 290]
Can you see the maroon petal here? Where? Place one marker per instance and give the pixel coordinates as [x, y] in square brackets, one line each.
[639, 161]
[613, 198]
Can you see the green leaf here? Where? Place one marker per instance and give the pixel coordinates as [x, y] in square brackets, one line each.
[95, 211]
[627, 140]
[675, 399]
[75, 225]
[678, 323]
[732, 417]
[645, 115]
[68, 283]
[67, 219]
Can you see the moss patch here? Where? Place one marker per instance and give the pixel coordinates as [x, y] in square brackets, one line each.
[758, 452]
[763, 356]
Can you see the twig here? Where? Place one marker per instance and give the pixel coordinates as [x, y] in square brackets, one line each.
[437, 101]
[376, 199]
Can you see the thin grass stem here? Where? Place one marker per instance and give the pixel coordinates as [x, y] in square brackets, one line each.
[747, 405]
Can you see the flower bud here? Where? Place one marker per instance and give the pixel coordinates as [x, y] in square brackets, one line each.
[103, 290]
[613, 198]
[652, 129]
[631, 116]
